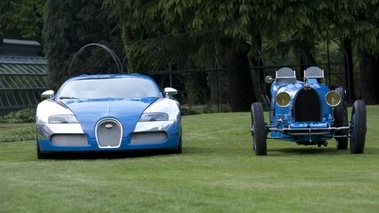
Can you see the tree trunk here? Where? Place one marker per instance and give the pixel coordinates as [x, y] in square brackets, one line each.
[241, 90]
[213, 83]
[369, 66]
[191, 84]
[349, 74]
[259, 72]
[306, 58]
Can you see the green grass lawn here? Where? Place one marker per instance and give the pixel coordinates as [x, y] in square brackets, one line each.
[217, 172]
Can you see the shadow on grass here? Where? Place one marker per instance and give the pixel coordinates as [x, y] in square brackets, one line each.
[108, 155]
[308, 151]
[318, 151]
[283, 151]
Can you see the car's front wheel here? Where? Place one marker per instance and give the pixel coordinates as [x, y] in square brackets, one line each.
[358, 127]
[179, 150]
[258, 129]
[41, 155]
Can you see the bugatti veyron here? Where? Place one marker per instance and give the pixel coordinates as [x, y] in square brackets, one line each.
[308, 113]
[108, 113]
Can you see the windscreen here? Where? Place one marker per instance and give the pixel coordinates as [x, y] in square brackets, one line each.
[110, 88]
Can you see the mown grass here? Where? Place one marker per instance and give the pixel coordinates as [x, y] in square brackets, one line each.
[17, 132]
[217, 172]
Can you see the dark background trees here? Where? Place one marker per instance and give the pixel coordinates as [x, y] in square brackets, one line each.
[202, 34]
[71, 24]
[22, 19]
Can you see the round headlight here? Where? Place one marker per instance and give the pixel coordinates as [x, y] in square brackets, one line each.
[283, 99]
[332, 98]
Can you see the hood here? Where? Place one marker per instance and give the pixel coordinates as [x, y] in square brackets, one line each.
[90, 111]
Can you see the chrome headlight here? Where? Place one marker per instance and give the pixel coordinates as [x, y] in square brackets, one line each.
[332, 98]
[63, 119]
[283, 99]
[153, 116]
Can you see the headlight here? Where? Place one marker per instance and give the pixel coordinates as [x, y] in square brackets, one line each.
[154, 116]
[332, 98]
[283, 99]
[63, 119]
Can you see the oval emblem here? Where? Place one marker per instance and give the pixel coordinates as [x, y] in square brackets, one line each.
[108, 126]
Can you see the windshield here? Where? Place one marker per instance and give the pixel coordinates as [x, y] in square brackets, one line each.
[109, 88]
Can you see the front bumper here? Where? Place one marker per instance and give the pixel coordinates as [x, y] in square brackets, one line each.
[71, 138]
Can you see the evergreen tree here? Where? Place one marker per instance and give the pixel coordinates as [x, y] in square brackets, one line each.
[22, 19]
[173, 31]
[72, 24]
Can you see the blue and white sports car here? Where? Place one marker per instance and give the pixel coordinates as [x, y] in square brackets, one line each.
[108, 113]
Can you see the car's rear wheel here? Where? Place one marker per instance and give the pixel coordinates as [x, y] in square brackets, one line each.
[341, 119]
[358, 127]
[258, 129]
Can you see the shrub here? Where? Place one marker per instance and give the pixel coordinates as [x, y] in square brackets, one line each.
[18, 134]
[21, 116]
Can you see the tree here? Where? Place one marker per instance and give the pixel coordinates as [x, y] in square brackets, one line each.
[22, 19]
[366, 33]
[203, 30]
[173, 32]
[71, 24]
[357, 23]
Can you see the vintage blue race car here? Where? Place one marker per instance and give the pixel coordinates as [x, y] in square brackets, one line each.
[307, 112]
[108, 113]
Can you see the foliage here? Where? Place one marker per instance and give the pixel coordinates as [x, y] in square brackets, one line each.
[20, 116]
[165, 34]
[71, 24]
[22, 19]
[18, 126]
[159, 34]
[217, 172]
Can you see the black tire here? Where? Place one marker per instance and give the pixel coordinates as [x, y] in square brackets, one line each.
[41, 155]
[258, 129]
[341, 119]
[179, 150]
[358, 127]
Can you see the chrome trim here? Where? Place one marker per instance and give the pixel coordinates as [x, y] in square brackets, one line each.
[308, 131]
[45, 131]
[115, 142]
[153, 126]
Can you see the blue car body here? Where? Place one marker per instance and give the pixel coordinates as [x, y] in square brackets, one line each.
[284, 120]
[308, 113]
[105, 113]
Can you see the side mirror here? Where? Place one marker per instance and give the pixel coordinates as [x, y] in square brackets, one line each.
[269, 79]
[170, 91]
[47, 94]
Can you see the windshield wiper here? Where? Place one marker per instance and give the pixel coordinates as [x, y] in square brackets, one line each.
[66, 97]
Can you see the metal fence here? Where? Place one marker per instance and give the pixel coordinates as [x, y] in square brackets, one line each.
[334, 76]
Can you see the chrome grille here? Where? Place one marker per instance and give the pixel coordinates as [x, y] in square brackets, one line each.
[148, 138]
[108, 133]
[307, 106]
[69, 140]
